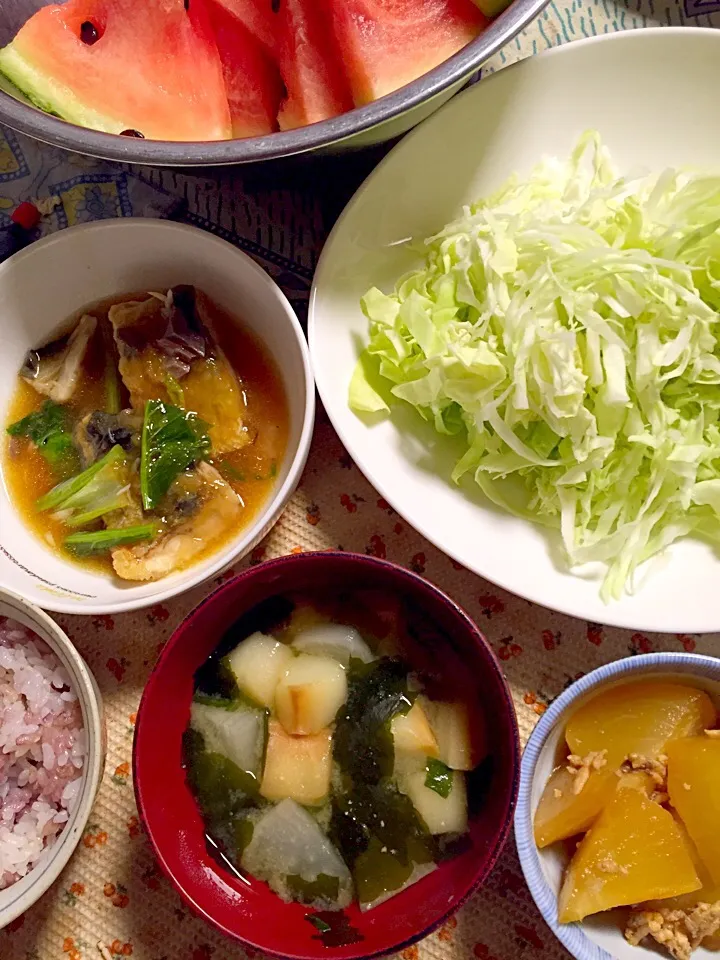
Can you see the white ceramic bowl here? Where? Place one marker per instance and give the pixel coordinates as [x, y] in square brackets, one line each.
[43, 285]
[600, 937]
[17, 898]
[666, 79]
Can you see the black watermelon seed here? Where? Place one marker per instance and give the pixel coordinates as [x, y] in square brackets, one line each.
[89, 33]
[132, 133]
[186, 4]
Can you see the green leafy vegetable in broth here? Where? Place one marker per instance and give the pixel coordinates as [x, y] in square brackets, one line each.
[49, 428]
[175, 391]
[230, 472]
[172, 440]
[112, 374]
[439, 777]
[101, 489]
[89, 544]
[566, 329]
[101, 483]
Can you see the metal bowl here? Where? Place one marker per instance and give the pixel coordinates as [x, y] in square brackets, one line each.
[379, 121]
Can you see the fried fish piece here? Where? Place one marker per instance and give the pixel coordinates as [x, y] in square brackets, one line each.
[54, 369]
[200, 508]
[168, 352]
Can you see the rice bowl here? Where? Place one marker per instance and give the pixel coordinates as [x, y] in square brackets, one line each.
[43, 749]
[51, 752]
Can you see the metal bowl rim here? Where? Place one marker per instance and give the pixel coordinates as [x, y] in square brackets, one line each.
[31, 121]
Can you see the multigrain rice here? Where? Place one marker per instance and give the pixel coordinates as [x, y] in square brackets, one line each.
[42, 749]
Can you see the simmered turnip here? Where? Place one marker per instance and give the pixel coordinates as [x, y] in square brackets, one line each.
[412, 733]
[297, 767]
[406, 764]
[461, 740]
[257, 664]
[333, 640]
[236, 733]
[288, 842]
[310, 694]
[440, 814]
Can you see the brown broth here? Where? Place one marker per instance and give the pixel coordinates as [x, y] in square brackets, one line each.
[251, 471]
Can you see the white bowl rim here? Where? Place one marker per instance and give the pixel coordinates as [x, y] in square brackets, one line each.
[270, 514]
[572, 935]
[46, 872]
[609, 615]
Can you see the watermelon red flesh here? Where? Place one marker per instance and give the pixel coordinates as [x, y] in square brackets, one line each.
[385, 44]
[310, 65]
[252, 81]
[256, 16]
[154, 68]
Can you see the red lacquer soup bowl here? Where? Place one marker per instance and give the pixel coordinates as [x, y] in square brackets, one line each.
[245, 908]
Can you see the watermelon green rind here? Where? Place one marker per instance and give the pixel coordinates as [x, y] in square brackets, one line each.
[154, 68]
[47, 95]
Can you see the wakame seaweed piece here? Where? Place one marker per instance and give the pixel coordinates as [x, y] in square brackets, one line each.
[323, 887]
[212, 701]
[172, 440]
[377, 872]
[377, 691]
[380, 812]
[220, 787]
[50, 429]
[243, 828]
[347, 831]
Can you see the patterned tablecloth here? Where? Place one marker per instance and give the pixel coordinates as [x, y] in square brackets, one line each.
[112, 901]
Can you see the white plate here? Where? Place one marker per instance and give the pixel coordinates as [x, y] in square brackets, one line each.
[652, 94]
[43, 285]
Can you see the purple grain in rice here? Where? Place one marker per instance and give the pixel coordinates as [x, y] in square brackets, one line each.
[42, 749]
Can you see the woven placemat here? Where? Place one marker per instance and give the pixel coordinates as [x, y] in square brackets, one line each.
[111, 900]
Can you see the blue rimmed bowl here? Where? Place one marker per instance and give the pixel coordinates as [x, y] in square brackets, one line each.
[599, 937]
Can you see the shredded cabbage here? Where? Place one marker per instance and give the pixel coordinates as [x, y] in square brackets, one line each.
[567, 327]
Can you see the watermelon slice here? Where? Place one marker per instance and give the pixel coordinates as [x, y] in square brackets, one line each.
[385, 44]
[252, 81]
[309, 65]
[257, 16]
[124, 65]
